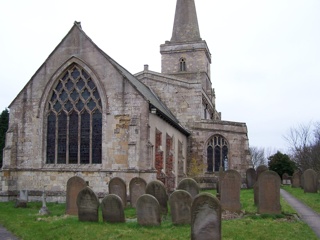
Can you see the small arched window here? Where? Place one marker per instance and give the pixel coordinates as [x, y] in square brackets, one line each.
[182, 63]
[217, 154]
[74, 120]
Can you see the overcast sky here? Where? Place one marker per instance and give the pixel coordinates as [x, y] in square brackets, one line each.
[265, 53]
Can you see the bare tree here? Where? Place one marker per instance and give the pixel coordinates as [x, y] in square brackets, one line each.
[257, 156]
[304, 142]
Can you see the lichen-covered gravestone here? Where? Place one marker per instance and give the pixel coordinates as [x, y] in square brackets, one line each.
[189, 185]
[137, 187]
[230, 191]
[205, 218]
[251, 177]
[118, 187]
[310, 184]
[158, 190]
[22, 200]
[269, 193]
[148, 211]
[180, 205]
[296, 179]
[112, 209]
[88, 205]
[74, 186]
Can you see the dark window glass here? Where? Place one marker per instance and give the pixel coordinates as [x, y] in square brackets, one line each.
[96, 136]
[85, 138]
[74, 123]
[62, 137]
[51, 138]
[217, 157]
[210, 159]
[73, 138]
[75, 73]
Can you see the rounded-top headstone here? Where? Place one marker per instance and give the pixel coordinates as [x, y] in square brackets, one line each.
[158, 190]
[74, 186]
[148, 211]
[118, 187]
[137, 187]
[251, 177]
[261, 169]
[296, 179]
[310, 184]
[112, 209]
[205, 217]
[230, 186]
[189, 185]
[180, 205]
[269, 193]
[88, 205]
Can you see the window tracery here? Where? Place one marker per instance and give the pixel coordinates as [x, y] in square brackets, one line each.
[217, 154]
[74, 120]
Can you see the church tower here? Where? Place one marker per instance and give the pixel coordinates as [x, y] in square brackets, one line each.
[186, 55]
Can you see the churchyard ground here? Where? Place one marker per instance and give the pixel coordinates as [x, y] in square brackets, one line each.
[27, 224]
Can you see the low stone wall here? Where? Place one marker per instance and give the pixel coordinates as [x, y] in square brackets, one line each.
[55, 182]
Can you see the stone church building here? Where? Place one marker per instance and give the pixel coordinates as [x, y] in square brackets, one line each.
[83, 114]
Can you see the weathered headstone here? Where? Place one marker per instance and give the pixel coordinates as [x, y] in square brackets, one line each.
[137, 187]
[269, 193]
[22, 200]
[302, 180]
[189, 185]
[205, 218]
[118, 187]
[74, 186]
[148, 211]
[112, 209]
[88, 205]
[158, 190]
[310, 181]
[260, 169]
[230, 191]
[296, 179]
[251, 177]
[180, 205]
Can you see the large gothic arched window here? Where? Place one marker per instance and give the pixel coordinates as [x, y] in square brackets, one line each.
[217, 154]
[74, 120]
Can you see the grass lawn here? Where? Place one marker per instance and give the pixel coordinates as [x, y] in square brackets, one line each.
[27, 224]
[310, 199]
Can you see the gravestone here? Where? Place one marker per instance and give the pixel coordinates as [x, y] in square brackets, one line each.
[158, 190]
[269, 193]
[22, 200]
[261, 169]
[180, 205]
[88, 205]
[74, 186]
[302, 180]
[230, 186]
[112, 209]
[189, 185]
[44, 210]
[310, 184]
[148, 211]
[205, 217]
[137, 187]
[296, 179]
[286, 179]
[118, 187]
[251, 177]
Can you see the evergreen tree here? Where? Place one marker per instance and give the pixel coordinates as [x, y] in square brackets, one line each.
[281, 163]
[4, 122]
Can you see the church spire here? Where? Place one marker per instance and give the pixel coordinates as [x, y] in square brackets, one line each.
[185, 27]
